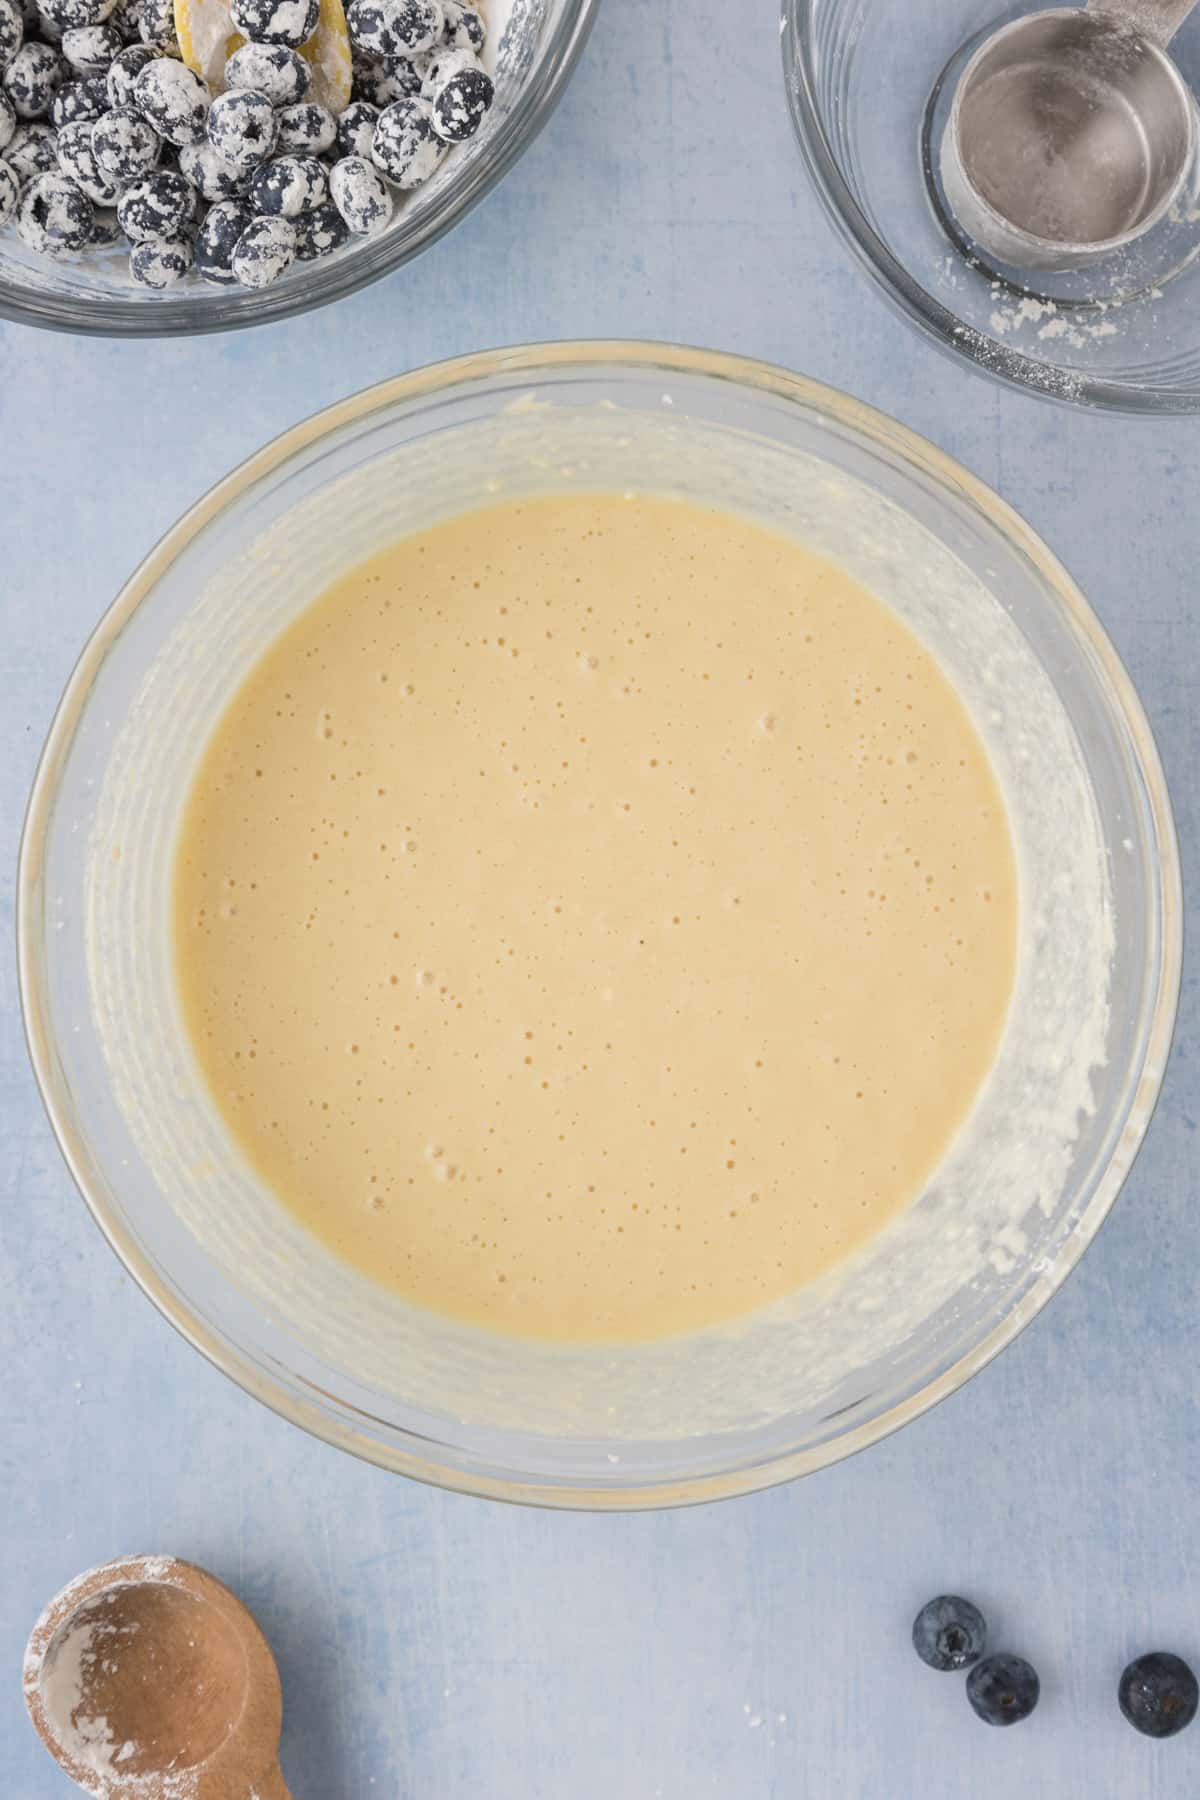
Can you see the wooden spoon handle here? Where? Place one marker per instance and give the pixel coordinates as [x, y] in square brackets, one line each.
[270, 1786]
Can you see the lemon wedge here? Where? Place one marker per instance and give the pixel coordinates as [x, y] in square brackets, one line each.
[208, 37]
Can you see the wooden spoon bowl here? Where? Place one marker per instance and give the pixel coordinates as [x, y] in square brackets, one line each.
[148, 1680]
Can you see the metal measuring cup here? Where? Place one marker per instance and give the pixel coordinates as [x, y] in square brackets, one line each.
[1071, 133]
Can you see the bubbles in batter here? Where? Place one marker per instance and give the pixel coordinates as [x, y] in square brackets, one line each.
[628, 938]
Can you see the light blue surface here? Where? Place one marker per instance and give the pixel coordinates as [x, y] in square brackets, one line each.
[436, 1648]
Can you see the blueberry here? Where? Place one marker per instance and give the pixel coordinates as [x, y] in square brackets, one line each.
[91, 49]
[461, 105]
[157, 206]
[382, 82]
[77, 158]
[32, 150]
[54, 217]
[42, 29]
[275, 70]
[319, 232]
[210, 174]
[304, 129]
[290, 22]
[462, 28]
[264, 252]
[126, 20]
[241, 127]
[1003, 1689]
[69, 15]
[437, 69]
[160, 262]
[124, 71]
[949, 1633]
[32, 79]
[12, 30]
[124, 145]
[406, 148]
[359, 194]
[1158, 1694]
[356, 128]
[77, 100]
[8, 120]
[173, 99]
[10, 194]
[394, 27]
[287, 186]
[218, 238]
[156, 25]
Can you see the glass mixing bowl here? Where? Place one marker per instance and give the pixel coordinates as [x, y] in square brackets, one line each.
[539, 44]
[870, 83]
[1023, 1189]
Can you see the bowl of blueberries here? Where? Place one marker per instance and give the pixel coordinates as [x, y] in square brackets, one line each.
[177, 166]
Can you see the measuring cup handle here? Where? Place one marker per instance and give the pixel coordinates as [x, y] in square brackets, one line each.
[1158, 20]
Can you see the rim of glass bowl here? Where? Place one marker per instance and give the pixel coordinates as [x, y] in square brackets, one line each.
[906, 295]
[408, 1451]
[215, 309]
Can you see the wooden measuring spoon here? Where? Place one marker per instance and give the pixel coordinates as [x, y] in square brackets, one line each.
[148, 1680]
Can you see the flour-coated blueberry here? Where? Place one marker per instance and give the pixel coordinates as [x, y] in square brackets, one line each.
[54, 217]
[10, 193]
[156, 25]
[124, 71]
[320, 232]
[32, 150]
[461, 105]
[210, 174]
[360, 195]
[125, 145]
[275, 70]
[12, 30]
[90, 49]
[356, 128]
[287, 186]
[304, 129]
[161, 262]
[290, 22]
[393, 28]
[217, 240]
[32, 78]
[406, 148]
[85, 99]
[437, 69]
[381, 82]
[77, 159]
[463, 28]
[68, 15]
[242, 127]
[159, 205]
[265, 251]
[173, 99]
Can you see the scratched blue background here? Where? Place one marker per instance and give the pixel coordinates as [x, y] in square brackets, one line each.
[436, 1648]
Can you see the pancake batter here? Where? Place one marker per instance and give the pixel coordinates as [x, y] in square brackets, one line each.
[594, 916]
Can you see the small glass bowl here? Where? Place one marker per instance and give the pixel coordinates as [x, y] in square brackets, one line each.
[613, 1426]
[540, 44]
[870, 85]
